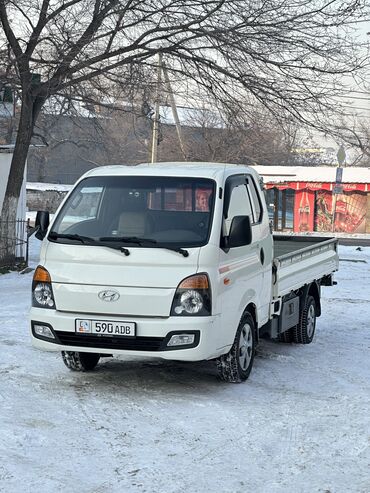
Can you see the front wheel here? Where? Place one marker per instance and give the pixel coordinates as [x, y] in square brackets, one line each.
[76, 361]
[236, 365]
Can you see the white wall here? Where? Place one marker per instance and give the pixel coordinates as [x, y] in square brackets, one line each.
[5, 160]
[6, 155]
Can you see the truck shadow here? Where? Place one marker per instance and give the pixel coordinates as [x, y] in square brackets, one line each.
[273, 350]
[149, 376]
[152, 376]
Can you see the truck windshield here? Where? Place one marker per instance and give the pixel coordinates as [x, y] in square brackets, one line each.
[157, 210]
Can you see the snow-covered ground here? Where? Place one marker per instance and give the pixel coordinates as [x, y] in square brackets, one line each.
[301, 423]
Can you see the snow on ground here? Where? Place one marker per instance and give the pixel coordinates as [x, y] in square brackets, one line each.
[301, 423]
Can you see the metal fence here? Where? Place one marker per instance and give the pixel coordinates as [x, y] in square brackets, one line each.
[14, 245]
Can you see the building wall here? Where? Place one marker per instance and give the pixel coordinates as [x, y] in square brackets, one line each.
[6, 155]
[321, 210]
[368, 214]
[347, 210]
[44, 200]
[5, 161]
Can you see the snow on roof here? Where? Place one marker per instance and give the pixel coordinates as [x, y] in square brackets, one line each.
[11, 147]
[191, 117]
[48, 187]
[277, 174]
[6, 148]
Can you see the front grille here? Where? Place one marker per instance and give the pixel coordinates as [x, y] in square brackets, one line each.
[105, 342]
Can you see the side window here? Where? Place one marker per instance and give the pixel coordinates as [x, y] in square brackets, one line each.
[189, 198]
[83, 206]
[239, 205]
[256, 202]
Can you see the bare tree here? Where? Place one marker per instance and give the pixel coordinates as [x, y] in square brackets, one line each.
[82, 138]
[124, 137]
[356, 134]
[208, 136]
[53, 134]
[279, 53]
[8, 118]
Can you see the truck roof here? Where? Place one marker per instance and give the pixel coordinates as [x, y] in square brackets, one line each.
[183, 169]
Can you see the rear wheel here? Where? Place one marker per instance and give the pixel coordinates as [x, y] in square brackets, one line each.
[304, 331]
[76, 361]
[236, 365]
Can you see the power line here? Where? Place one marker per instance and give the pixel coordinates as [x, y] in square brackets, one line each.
[356, 97]
[355, 107]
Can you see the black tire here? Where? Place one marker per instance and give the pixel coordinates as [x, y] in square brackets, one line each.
[236, 365]
[304, 331]
[80, 361]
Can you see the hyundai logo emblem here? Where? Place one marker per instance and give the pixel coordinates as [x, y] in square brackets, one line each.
[109, 295]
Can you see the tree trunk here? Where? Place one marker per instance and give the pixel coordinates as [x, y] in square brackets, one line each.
[29, 111]
[8, 231]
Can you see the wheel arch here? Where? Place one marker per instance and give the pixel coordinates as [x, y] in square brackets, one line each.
[252, 310]
[314, 291]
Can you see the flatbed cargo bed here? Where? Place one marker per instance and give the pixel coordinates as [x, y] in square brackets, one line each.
[301, 260]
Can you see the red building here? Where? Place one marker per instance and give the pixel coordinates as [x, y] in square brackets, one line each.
[311, 199]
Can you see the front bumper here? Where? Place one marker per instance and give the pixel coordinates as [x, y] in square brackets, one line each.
[152, 336]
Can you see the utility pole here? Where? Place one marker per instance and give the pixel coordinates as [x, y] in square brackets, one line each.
[163, 68]
[156, 111]
[174, 110]
[338, 188]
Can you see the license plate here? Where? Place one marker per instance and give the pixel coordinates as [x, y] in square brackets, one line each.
[106, 328]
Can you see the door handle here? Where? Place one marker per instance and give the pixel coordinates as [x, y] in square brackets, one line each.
[262, 256]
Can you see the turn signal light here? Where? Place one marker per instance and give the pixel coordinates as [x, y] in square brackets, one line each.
[199, 281]
[41, 275]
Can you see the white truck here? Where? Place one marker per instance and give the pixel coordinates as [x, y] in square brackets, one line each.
[177, 261]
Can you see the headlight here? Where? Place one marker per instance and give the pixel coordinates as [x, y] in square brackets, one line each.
[43, 295]
[193, 297]
[42, 292]
[191, 301]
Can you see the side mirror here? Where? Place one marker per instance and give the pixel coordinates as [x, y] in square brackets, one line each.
[240, 232]
[42, 223]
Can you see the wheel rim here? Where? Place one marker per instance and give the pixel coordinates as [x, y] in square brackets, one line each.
[245, 346]
[310, 321]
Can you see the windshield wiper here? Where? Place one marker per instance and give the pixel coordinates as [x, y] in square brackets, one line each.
[107, 239]
[83, 239]
[183, 252]
[128, 239]
[143, 241]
